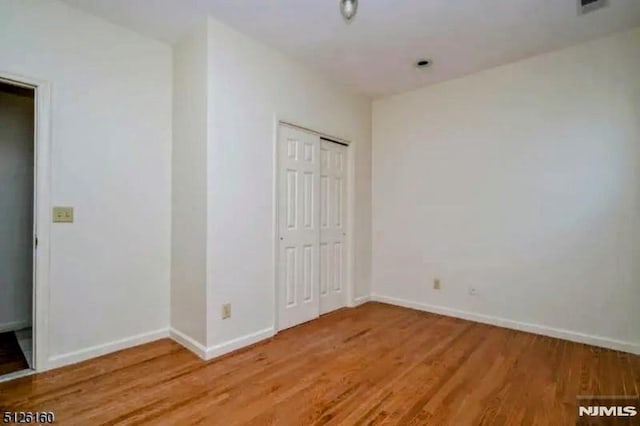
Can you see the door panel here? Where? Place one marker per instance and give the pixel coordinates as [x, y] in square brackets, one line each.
[299, 218]
[332, 226]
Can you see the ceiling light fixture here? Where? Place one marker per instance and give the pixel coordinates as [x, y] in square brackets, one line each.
[348, 8]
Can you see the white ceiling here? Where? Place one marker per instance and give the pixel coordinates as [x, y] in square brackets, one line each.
[375, 54]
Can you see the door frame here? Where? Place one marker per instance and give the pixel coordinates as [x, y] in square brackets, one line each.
[41, 212]
[350, 272]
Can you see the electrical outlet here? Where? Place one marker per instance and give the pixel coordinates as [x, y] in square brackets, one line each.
[436, 284]
[473, 291]
[226, 311]
[63, 214]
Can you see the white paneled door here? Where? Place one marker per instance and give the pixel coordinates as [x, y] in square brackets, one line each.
[298, 215]
[332, 226]
[312, 212]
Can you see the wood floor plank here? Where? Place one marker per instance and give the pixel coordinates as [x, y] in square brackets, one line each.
[375, 364]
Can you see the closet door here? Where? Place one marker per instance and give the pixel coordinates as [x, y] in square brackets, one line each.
[298, 216]
[333, 188]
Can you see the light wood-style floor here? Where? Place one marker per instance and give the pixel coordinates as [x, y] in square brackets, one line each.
[376, 364]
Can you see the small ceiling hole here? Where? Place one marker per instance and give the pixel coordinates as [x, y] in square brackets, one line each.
[423, 63]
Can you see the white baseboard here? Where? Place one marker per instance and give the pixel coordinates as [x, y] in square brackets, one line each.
[178, 336]
[360, 301]
[208, 353]
[16, 375]
[14, 326]
[238, 343]
[515, 325]
[106, 348]
[189, 343]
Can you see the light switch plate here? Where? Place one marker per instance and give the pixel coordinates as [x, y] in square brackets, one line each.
[63, 215]
[226, 311]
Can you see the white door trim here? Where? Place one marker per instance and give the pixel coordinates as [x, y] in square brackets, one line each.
[42, 215]
[351, 145]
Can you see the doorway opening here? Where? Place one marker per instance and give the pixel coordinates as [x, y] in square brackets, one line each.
[17, 207]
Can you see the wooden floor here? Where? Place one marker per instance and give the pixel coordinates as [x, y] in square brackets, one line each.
[376, 364]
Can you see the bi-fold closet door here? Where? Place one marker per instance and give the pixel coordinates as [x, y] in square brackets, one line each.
[311, 263]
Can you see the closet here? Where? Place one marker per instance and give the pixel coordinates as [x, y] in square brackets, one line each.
[312, 216]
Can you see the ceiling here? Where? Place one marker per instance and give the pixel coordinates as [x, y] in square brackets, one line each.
[375, 54]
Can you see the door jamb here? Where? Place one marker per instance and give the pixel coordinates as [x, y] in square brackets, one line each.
[41, 216]
[349, 240]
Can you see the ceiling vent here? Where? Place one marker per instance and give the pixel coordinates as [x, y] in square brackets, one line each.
[587, 6]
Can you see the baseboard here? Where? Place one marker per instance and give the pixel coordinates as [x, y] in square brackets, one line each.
[178, 336]
[238, 343]
[189, 343]
[14, 326]
[208, 353]
[515, 325]
[104, 349]
[360, 301]
[16, 375]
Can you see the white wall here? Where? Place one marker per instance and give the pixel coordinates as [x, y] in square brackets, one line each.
[16, 207]
[249, 84]
[523, 182]
[111, 160]
[189, 183]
